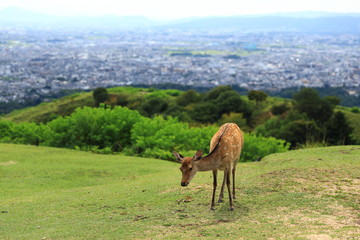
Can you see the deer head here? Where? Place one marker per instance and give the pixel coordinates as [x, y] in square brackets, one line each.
[188, 166]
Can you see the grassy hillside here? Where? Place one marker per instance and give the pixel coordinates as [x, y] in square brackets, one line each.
[48, 111]
[66, 105]
[186, 106]
[50, 193]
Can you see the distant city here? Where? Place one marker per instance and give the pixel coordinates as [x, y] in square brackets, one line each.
[38, 62]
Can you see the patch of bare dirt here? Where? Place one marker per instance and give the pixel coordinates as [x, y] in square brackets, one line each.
[194, 187]
[170, 190]
[7, 163]
[319, 237]
[347, 151]
[342, 220]
[328, 186]
[316, 181]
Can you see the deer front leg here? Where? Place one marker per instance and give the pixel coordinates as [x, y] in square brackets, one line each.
[228, 171]
[212, 207]
[221, 196]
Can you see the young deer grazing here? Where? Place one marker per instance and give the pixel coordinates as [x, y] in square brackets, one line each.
[225, 150]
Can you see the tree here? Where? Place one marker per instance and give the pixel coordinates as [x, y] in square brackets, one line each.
[308, 101]
[123, 99]
[333, 100]
[280, 109]
[188, 97]
[177, 111]
[215, 92]
[258, 96]
[338, 130]
[229, 101]
[100, 95]
[294, 128]
[152, 106]
[205, 112]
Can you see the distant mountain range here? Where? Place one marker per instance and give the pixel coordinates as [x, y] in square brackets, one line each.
[321, 22]
[20, 17]
[330, 24]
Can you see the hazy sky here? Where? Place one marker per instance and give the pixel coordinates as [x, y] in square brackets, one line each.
[169, 9]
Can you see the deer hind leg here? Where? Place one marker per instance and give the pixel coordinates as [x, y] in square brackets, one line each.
[212, 207]
[228, 187]
[233, 176]
[221, 196]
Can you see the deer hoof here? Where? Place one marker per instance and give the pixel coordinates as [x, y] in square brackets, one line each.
[220, 201]
[212, 209]
[231, 209]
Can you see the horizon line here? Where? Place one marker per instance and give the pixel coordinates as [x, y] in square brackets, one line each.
[317, 14]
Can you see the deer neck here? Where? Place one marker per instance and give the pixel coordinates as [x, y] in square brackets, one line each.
[208, 163]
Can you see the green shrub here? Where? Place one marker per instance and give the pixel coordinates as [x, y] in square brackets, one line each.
[152, 106]
[257, 147]
[188, 97]
[93, 127]
[5, 131]
[355, 110]
[158, 137]
[295, 128]
[280, 109]
[29, 133]
[100, 95]
[103, 130]
[150, 136]
[205, 112]
[23, 133]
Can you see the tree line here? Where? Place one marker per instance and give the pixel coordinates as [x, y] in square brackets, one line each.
[152, 123]
[121, 130]
[307, 118]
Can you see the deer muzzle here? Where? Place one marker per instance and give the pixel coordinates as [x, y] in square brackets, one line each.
[184, 184]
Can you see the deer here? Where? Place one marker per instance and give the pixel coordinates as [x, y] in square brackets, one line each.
[225, 150]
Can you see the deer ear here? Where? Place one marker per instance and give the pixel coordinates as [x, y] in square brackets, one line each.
[198, 155]
[178, 156]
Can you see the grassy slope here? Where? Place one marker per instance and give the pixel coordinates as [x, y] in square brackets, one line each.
[66, 105]
[63, 194]
[44, 111]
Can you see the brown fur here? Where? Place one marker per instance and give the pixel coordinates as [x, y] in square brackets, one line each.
[225, 150]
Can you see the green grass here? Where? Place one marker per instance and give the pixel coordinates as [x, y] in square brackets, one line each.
[64, 106]
[50, 193]
[48, 111]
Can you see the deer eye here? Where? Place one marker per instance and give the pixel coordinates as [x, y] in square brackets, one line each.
[190, 169]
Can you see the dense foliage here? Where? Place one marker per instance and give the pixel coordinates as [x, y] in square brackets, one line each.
[120, 129]
[312, 119]
[345, 98]
[100, 95]
[258, 96]
[306, 119]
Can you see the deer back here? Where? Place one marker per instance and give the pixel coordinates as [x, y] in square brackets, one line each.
[227, 143]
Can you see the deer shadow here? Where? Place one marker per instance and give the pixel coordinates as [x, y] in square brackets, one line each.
[223, 214]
